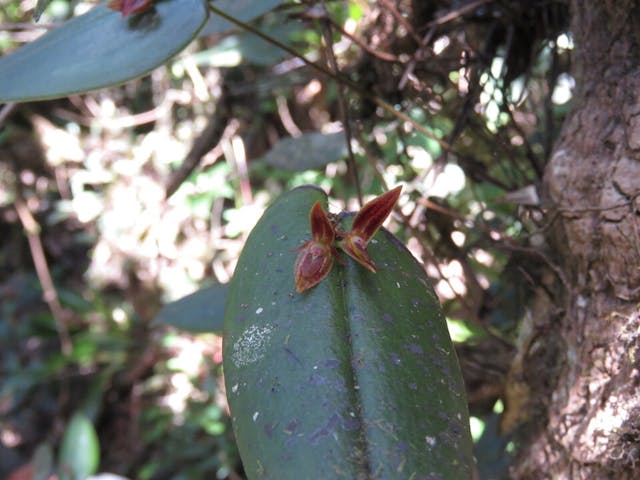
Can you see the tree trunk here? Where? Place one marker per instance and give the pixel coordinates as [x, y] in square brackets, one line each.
[578, 373]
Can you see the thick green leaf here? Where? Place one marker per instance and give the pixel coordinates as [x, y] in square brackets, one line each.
[309, 151]
[80, 449]
[99, 49]
[200, 312]
[355, 378]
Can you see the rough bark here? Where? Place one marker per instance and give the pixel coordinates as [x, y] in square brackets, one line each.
[577, 378]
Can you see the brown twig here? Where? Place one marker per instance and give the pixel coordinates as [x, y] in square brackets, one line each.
[453, 14]
[400, 18]
[205, 142]
[384, 56]
[50, 295]
[344, 109]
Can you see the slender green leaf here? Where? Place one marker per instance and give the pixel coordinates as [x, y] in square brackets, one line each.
[309, 151]
[99, 49]
[355, 378]
[200, 312]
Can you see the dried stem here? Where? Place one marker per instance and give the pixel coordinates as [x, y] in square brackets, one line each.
[344, 110]
[32, 230]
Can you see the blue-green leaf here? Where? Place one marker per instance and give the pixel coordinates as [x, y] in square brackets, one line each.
[200, 312]
[99, 49]
[309, 151]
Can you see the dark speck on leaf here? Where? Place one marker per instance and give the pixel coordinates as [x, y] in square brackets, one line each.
[325, 430]
[316, 379]
[350, 424]
[269, 428]
[291, 426]
[292, 355]
[331, 363]
[413, 348]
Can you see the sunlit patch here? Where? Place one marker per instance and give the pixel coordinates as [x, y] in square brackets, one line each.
[563, 90]
[440, 44]
[477, 427]
[448, 182]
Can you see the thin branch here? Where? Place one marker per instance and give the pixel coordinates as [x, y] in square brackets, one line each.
[401, 19]
[458, 12]
[344, 110]
[205, 142]
[50, 295]
[384, 56]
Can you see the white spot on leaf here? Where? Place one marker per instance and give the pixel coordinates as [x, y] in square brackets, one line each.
[251, 345]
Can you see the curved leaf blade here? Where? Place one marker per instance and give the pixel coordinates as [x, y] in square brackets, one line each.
[99, 49]
[354, 378]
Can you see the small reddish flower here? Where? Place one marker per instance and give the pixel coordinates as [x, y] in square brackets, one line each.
[315, 259]
[367, 222]
[127, 7]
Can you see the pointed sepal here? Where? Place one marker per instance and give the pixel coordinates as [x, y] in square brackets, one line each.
[315, 259]
[314, 262]
[367, 222]
[128, 7]
[322, 229]
[371, 217]
[356, 248]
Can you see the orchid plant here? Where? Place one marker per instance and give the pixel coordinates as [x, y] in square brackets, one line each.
[316, 256]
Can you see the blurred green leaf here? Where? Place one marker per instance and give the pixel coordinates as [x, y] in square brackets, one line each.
[242, 10]
[99, 49]
[236, 49]
[200, 312]
[309, 151]
[80, 449]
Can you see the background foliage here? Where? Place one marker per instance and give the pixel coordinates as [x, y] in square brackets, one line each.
[115, 202]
